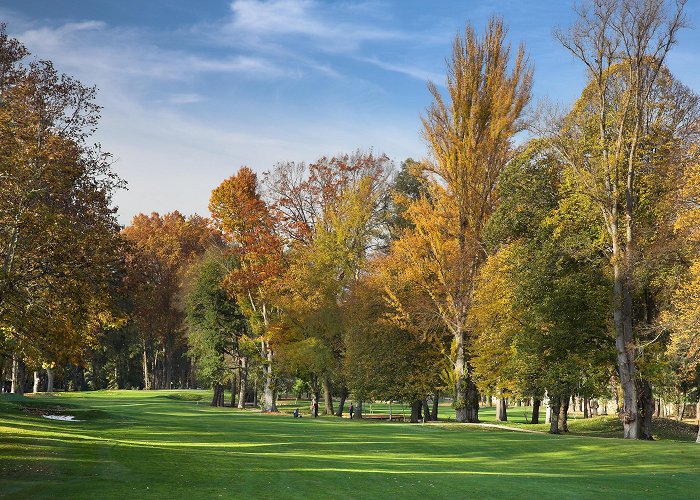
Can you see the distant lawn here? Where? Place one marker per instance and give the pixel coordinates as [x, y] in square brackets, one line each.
[169, 444]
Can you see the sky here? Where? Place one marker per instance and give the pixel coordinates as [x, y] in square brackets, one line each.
[191, 91]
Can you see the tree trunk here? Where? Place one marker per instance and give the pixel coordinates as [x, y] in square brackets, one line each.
[535, 411]
[646, 407]
[697, 420]
[168, 360]
[243, 375]
[426, 410]
[36, 381]
[18, 375]
[472, 399]
[416, 411]
[554, 408]
[233, 390]
[436, 403]
[269, 403]
[217, 399]
[564, 414]
[586, 408]
[49, 379]
[624, 343]
[146, 379]
[358, 409]
[501, 413]
[460, 398]
[341, 404]
[327, 396]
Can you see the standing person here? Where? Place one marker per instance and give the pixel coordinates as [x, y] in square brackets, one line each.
[315, 407]
[352, 410]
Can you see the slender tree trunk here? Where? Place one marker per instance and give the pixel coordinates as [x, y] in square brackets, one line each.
[646, 405]
[327, 396]
[36, 382]
[535, 411]
[243, 375]
[168, 360]
[270, 404]
[416, 411]
[697, 420]
[586, 412]
[233, 390]
[501, 412]
[146, 379]
[49, 379]
[436, 403]
[554, 408]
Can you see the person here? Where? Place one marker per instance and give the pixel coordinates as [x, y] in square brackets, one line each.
[352, 410]
[315, 408]
[296, 413]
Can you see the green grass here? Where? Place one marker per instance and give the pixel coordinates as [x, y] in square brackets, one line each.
[165, 444]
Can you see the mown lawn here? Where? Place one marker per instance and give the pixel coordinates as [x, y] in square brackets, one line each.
[164, 444]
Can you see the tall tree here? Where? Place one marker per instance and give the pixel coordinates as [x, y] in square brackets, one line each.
[59, 251]
[469, 137]
[634, 36]
[247, 223]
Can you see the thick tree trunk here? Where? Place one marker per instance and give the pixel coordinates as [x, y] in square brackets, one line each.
[327, 396]
[49, 379]
[624, 344]
[218, 398]
[358, 409]
[36, 381]
[564, 414]
[460, 397]
[472, 399]
[501, 412]
[416, 411]
[535, 411]
[646, 407]
[426, 410]
[243, 375]
[341, 404]
[436, 403]
[269, 403]
[554, 408]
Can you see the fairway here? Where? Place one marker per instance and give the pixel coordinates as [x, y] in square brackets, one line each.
[161, 444]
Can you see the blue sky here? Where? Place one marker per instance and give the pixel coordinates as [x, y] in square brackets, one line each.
[193, 90]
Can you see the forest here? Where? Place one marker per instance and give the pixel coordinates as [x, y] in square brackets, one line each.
[539, 255]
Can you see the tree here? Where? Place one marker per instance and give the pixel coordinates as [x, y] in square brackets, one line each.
[470, 143]
[247, 223]
[160, 249]
[215, 323]
[623, 45]
[59, 250]
[333, 214]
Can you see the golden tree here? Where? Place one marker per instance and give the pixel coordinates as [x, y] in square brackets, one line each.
[470, 138]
